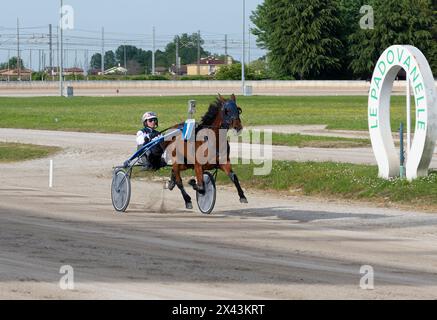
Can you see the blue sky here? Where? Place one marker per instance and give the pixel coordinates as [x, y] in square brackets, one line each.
[129, 20]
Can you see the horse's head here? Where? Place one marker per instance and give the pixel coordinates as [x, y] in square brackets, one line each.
[231, 114]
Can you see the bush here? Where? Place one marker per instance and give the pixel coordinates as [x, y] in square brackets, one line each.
[192, 78]
[126, 78]
[233, 72]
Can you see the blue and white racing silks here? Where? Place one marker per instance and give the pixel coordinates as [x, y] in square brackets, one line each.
[144, 134]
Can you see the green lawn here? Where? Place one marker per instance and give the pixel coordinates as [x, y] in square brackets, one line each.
[122, 114]
[302, 141]
[333, 181]
[11, 152]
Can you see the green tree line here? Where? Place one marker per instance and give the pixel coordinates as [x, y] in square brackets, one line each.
[139, 61]
[323, 39]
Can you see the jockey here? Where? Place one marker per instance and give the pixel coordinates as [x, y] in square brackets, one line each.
[152, 159]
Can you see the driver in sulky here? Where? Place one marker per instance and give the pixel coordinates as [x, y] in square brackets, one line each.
[152, 159]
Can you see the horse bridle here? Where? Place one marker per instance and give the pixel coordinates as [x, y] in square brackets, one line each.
[230, 112]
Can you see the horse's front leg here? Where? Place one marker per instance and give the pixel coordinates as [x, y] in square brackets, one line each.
[227, 168]
[178, 179]
[199, 186]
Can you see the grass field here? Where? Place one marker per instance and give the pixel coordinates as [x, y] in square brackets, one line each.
[122, 114]
[302, 141]
[11, 152]
[333, 181]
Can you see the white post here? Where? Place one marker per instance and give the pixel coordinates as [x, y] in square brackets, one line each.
[408, 114]
[51, 174]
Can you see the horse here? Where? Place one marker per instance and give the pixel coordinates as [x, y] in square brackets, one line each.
[222, 115]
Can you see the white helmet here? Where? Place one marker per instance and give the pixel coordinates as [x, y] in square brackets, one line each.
[149, 115]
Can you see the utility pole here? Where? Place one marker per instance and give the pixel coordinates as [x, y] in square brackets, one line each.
[30, 64]
[66, 56]
[125, 59]
[198, 53]
[61, 67]
[177, 55]
[43, 60]
[243, 85]
[57, 50]
[9, 58]
[153, 51]
[86, 66]
[125, 62]
[226, 49]
[248, 60]
[103, 51]
[18, 51]
[51, 50]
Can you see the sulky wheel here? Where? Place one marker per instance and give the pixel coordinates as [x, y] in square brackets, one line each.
[206, 201]
[120, 190]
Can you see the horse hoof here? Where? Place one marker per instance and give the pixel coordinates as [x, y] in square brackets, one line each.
[243, 200]
[192, 182]
[189, 205]
[171, 185]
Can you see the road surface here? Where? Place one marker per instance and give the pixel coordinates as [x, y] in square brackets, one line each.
[275, 247]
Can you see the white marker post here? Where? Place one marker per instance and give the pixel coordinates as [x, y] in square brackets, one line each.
[51, 174]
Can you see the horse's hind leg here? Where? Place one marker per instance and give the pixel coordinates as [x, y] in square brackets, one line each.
[178, 178]
[172, 181]
[228, 170]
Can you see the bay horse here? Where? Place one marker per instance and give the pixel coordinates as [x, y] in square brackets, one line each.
[221, 116]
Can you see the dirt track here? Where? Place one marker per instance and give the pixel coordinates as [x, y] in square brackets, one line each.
[274, 247]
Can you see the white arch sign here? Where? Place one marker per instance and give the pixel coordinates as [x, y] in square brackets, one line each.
[415, 64]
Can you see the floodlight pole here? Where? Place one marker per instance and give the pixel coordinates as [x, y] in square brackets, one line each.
[18, 51]
[153, 51]
[61, 67]
[244, 49]
[103, 52]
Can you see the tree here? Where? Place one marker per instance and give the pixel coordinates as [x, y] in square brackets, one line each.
[96, 61]
[396, 22]
[161, 59]
[301, 37]
[13, 63]
[131, 52]
[350, 17]
[110, 60]
[187, 49]
[260, 69]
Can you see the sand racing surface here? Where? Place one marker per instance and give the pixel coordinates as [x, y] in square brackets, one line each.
[275, 247]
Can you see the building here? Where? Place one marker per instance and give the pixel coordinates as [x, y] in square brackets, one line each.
[12, 74]
[116, 70]
[67, 71]
[207, 67]
[181, 72]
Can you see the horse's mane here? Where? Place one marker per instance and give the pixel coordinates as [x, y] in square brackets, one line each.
[211, 114]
